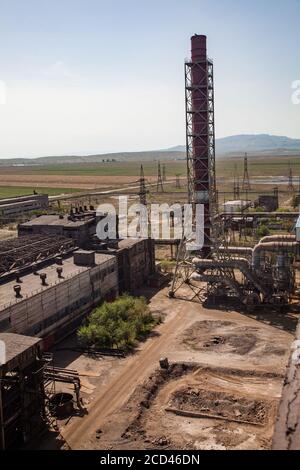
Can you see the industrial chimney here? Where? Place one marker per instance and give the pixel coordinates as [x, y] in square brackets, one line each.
[200, 133]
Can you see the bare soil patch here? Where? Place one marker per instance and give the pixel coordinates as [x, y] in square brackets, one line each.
[227, 336]
[236, 409]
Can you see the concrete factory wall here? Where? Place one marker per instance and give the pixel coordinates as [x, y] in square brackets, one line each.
[58, 309]
[80, 230]
[14, 207]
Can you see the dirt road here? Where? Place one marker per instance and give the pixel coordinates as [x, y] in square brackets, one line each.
[117, 391]
[267, 352]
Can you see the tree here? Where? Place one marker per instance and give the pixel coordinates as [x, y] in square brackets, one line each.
[118, 324]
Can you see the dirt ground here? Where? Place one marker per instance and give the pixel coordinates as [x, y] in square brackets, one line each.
[226, 372]
[5, 234]
[67, 181]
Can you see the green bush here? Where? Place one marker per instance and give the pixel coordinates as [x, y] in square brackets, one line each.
[262, 231]
[119, 324]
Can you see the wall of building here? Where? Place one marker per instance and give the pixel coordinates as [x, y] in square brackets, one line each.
[79, 232]
[136, 262]
[54, 312]
[14, 207]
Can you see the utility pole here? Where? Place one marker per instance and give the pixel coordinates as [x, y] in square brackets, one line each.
[160, 186]
[178, 181]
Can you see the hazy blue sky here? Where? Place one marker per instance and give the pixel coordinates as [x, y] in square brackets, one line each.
[97, 76]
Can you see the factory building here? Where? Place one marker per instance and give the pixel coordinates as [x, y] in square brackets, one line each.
[52, 301]
[135, 257]
[268, 202]
[231, 207]
[136, 260]
[12, 208]
[21, 391]
[79, 227]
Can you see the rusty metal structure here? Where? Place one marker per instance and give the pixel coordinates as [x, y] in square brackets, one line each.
[20, 253]
[260, 275]
[200, 132]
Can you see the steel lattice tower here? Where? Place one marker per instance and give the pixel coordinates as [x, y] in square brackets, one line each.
[236, 183]
[160, 186]
[291, 187]
[143, 191]
[246, 180]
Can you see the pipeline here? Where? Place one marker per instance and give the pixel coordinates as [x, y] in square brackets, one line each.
[238, 250]
[273, 247]
[277, 238]
[240, 263]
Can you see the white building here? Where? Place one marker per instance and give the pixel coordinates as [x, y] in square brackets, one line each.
[232, 207]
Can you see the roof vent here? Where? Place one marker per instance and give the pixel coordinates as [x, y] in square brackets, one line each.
[59, 271]
[17, 289]
[43, 277]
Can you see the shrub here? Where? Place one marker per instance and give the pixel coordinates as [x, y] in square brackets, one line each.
[262, 231]
[119, 324]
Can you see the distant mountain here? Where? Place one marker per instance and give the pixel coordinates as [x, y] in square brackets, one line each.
[257, 143]
[107, 157]
[178, 148]
[254, 144]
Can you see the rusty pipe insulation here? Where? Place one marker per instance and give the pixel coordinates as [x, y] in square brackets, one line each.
[272, 247]
[239, 250]
[278, 238]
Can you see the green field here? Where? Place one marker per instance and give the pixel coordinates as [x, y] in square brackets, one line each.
[12, 191]
[97, 169]
[258, 166]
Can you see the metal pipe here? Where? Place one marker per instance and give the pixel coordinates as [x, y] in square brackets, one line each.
[272, 247]
[277, 238]
[240, 250]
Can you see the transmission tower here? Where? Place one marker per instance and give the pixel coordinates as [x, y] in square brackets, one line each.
[143, 191]
[164, 173]
[291, 187]
[160, 186]
[246, 180]
[236, 184]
